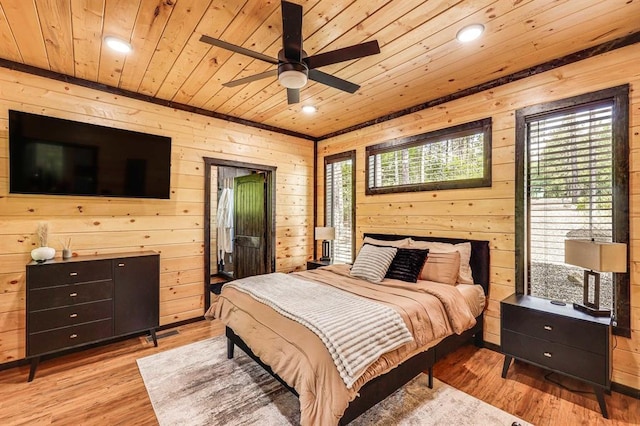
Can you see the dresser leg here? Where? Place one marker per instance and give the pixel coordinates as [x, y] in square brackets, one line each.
[152, 332]
[34, 366]
[505, 366]
[603, 405]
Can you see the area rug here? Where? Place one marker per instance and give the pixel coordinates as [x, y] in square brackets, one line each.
[197, 385]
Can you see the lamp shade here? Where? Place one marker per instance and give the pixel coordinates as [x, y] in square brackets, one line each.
[325, 233]
[596, 255]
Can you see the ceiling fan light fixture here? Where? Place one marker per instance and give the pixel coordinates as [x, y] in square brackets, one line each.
[309, 109]
[117, 44]
[470, 33]
[293, 75]
[292, 79]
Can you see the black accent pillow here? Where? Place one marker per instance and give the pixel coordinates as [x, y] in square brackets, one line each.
[407, 264]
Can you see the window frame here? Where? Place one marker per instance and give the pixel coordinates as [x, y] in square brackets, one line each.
[336, 158]
[483, 126]
[621, 313]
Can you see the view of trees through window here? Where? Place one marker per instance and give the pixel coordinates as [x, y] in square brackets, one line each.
[570, 193]
[449, 158]
[339, 200]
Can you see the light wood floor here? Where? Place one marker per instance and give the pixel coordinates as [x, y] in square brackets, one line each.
[102, 386]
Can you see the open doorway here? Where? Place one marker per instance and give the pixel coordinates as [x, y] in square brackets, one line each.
[239, 222]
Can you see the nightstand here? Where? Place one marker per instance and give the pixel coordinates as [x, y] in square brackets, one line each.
[313, 264]
[557, 338]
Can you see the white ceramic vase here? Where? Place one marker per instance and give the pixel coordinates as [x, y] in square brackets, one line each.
[41, 254]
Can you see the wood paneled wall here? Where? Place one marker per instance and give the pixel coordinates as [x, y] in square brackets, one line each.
[488, 213]
[173, 227]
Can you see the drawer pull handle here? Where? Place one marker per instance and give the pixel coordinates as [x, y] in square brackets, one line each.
[73, 274]
[548, 327]
[120, 265]
[73, 336]
[547, 354]
[73, 294]
[73, 316]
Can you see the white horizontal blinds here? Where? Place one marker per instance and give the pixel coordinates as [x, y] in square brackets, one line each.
[570, 186]
[339, 207]
[454, 158]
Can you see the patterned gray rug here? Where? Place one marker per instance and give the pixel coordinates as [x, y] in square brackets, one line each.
[197, 385]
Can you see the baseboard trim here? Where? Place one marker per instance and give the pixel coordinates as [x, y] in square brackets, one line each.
[625, 390]
[180, 323]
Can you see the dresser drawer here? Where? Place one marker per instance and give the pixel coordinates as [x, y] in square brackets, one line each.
[70, 315]
[67, 337]
[556, 356]
[45, 275]
[55, 297]
[569, 331]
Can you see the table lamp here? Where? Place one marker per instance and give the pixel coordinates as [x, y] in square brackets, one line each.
[326, 234]
[595, 257]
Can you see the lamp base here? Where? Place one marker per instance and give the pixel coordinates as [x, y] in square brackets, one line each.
[326, 251]
[591, 310]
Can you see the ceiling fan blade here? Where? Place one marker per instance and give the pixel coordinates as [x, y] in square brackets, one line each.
[251, 78]
[238, 49]
[333, 81]
[292, 31]
[293, 96]
[345, 54]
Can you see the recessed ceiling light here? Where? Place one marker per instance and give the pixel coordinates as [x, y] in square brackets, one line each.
[117, 44]
[470, 33]
[309, 109]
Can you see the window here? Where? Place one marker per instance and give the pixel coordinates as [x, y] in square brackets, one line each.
[456, 157]
[339, 175]
[572, 161]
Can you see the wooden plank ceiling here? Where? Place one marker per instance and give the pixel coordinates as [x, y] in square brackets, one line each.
[420, 58]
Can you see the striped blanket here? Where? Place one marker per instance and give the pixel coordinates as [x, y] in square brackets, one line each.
[355, 330]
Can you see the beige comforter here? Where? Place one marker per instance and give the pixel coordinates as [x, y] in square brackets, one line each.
[431, 311]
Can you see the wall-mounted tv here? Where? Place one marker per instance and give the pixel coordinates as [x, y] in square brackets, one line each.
[53, 156]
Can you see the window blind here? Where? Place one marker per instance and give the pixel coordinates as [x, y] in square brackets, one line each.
[454, 157]
[339, 205]
[570, 191]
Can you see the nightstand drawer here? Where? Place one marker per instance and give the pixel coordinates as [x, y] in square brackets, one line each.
[70, 315]
[54, 297]
[581, 364]
[67, 337]
[569, 331]
[68, 273]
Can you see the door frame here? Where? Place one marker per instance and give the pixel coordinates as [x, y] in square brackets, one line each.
[270, 198]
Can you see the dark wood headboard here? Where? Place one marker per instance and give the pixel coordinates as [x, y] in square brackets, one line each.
[479, 261]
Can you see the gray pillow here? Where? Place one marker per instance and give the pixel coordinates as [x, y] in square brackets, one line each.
[373, 262]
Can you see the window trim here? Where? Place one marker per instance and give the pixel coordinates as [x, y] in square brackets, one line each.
[483, 125]
[621, 218]
[336, 158]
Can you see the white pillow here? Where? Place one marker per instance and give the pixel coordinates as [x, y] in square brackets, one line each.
[373, 262]
[464, 274]
[403, 243]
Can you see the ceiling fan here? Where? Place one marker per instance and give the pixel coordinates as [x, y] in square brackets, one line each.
[294, 66]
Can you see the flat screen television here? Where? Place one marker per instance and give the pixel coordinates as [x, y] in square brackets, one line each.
[61, 157]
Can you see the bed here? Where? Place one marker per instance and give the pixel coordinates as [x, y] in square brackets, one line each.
[287, 349]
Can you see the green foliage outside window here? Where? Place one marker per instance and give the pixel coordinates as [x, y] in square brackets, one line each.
[456, 157]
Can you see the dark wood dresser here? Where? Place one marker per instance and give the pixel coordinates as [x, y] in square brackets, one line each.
[557, 338]
[88, 299]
